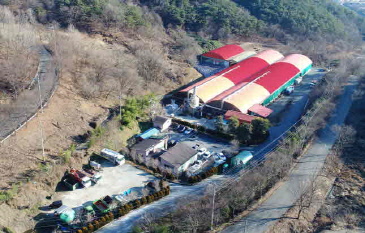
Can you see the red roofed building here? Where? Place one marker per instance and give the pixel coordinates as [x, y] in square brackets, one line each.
[225, 53]
[260, 110]
[243, 118]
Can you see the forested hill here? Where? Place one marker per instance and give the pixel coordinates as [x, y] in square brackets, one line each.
[311, 18]
[216, 19]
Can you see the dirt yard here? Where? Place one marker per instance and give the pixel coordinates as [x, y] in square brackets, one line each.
[115, 180]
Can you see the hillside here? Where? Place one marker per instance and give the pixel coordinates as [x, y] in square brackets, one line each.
[108, 51]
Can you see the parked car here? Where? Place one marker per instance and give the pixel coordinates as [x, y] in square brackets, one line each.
[202, 149]
[188, 131]
[196, 166]
[207, 154]
[312, 84]
[96, 166]
[289, 90]
[220, 157]
[182, 129]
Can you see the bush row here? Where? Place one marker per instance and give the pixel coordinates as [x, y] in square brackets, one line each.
[123, 210]
[204, 175]
[202, 129]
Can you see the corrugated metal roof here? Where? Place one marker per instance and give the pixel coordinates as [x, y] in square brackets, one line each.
[246, 69]
[270, 56]
[238, 73]
[148, 133]
[277, 75]
[298, 60]
[210, 89]
[246, 97]
[243, 56]
[225, 52]
[260, 110]
[240, 116]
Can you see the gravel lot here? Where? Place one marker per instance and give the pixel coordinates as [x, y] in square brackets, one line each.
[115, 179]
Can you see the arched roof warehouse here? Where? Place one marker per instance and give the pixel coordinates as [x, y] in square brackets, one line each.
[225, 52]
[241, 72]
[265, 86]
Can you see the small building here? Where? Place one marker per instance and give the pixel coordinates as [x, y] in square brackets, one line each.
[149, 147]
[163, 123]
[241, 159]
[178, 158]
[243, 118]
[148, 133]
[260, 110]
[221, 56]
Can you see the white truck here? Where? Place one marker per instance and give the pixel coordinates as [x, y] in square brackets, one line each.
[112, 156]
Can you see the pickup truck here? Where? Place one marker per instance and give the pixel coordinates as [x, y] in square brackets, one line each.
[93, 175]
[71, 182]
[101, 205]
[81, 177]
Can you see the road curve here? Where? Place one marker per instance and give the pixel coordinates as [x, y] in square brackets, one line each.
[27, 104]
[310, 164]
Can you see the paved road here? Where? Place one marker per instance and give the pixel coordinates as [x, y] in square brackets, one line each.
[180, 193]
[299, 101]
[310, 164]
[14, 114]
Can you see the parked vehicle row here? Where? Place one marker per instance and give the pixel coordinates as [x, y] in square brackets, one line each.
[183, 129]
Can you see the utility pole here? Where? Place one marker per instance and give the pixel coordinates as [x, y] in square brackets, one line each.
[120, 103]
[39, 116]
[213, 203]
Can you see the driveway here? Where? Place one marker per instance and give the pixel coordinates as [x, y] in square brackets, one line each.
[309, 165]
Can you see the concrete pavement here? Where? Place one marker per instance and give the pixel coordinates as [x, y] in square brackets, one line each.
[309, 165]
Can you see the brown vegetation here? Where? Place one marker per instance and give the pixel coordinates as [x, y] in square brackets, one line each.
[18, 53]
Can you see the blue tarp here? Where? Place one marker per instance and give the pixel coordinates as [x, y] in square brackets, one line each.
[149, 133]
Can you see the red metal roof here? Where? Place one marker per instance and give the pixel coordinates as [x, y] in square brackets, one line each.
[240, 116]
[260, 110]
[276, 75]
[243, 71]
[246, 69]
[225, 53]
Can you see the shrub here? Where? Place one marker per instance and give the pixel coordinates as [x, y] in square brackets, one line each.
[144, 200]
[96, 224]
[137, 203]
[102, 221]
[79, 231]
[150, 198]
[85, 230]
[90, 227]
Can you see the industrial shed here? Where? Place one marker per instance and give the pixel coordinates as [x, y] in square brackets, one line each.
[264, 86]
[242, 72]
[224, 53]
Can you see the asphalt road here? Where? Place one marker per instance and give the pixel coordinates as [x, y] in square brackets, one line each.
[27, 104]
[181, 193]
[299, 99]
[309, 165]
